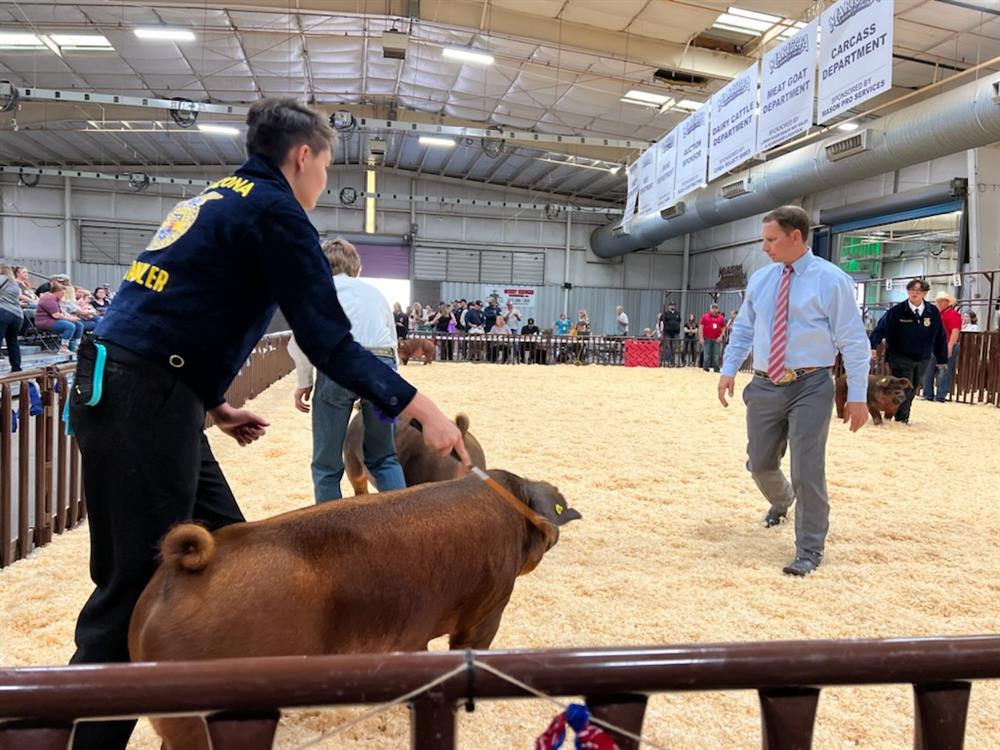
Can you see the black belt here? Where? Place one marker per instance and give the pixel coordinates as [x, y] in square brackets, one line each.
[122, 355]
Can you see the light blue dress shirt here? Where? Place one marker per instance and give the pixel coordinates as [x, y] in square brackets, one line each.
[823, 317]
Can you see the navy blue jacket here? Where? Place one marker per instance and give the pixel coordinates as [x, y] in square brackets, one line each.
[912, 337]
[203, 292]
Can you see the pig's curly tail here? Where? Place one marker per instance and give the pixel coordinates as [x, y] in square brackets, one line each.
[187, 548]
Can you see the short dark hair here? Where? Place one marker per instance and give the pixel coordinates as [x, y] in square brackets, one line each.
[277, 125]
[914, 283]
[789, 218]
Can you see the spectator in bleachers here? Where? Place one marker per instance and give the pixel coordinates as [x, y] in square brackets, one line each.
[970, 322]
[621, 320]
[529, 349]
[561, 326]
[444, 324]
[416, 316]
[28, 298]
[101, 301]
[513, 317]
[710, 331]
[583, 324]
[11, 316]
[669, 326]
[490, 314]
[84, 313]
[472, 318]
[729, 326]
[49, 316]
[47, 286]
[690, 341]
[501, 350]
[401, 320]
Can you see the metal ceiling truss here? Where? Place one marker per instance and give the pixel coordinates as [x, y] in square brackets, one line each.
[363, 123]
[132, 178]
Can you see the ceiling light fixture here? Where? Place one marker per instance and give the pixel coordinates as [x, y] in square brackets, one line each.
[648, 97]
[466, 54]
[15, 40]
[848, 126]
[165, 34]
[218, 129]
[689, 104]
[82, 42]
[430, 140]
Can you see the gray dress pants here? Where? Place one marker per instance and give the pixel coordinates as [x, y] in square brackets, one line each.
[795, 416]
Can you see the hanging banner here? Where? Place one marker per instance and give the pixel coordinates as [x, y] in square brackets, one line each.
[647, 181]
[692, 152]
[855, 54]
[734, 131]
[632, 172]
[666, 168]
[786, 89]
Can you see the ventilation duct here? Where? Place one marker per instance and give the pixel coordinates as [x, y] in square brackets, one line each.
[963, 118]
[849, 146]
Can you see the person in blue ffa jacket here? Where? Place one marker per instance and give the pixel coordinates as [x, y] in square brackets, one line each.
[913, 334]
[165, 352]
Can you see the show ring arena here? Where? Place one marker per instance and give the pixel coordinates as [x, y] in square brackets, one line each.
[670, 549]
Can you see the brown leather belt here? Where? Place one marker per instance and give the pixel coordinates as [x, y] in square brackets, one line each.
[789, 376]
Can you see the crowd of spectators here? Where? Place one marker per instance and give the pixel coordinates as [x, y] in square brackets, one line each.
[54, 311]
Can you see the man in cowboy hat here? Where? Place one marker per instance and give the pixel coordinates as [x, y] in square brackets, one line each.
[952, 322]
[913, 336]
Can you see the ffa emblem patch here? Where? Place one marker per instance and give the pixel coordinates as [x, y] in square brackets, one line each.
[179, 220]
[927, 322]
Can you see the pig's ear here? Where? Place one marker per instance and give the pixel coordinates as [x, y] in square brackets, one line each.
[546, 499]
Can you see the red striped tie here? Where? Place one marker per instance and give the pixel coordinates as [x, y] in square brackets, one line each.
[779, 332]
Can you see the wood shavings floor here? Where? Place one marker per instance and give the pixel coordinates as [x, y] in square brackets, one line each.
[670, 549]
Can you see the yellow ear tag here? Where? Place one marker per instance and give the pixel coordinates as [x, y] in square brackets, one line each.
[559, 509]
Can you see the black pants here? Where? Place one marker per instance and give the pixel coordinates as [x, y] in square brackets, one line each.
[912, 369]
[147, 465]
[10, 327]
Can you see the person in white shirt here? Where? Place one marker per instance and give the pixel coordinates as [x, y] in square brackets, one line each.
[622, 320]
[970, 322]
[373, 327]
[513, 317]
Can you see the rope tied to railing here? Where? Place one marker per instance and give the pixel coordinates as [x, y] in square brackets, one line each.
[382, 708]
[469, 667]
[641, 739]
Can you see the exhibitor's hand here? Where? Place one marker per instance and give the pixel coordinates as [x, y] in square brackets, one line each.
[726, 385]
[302, 397]
[874, 353]
[856, 412]
[440, 433]
[241, 425]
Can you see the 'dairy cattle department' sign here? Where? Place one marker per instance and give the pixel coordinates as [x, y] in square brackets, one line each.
[666, 168]
[692, 152]
[647, 181]
[734, 134]
[855, 54]
[786, 89]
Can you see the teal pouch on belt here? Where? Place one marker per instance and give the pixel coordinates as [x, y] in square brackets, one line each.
[87, 386]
